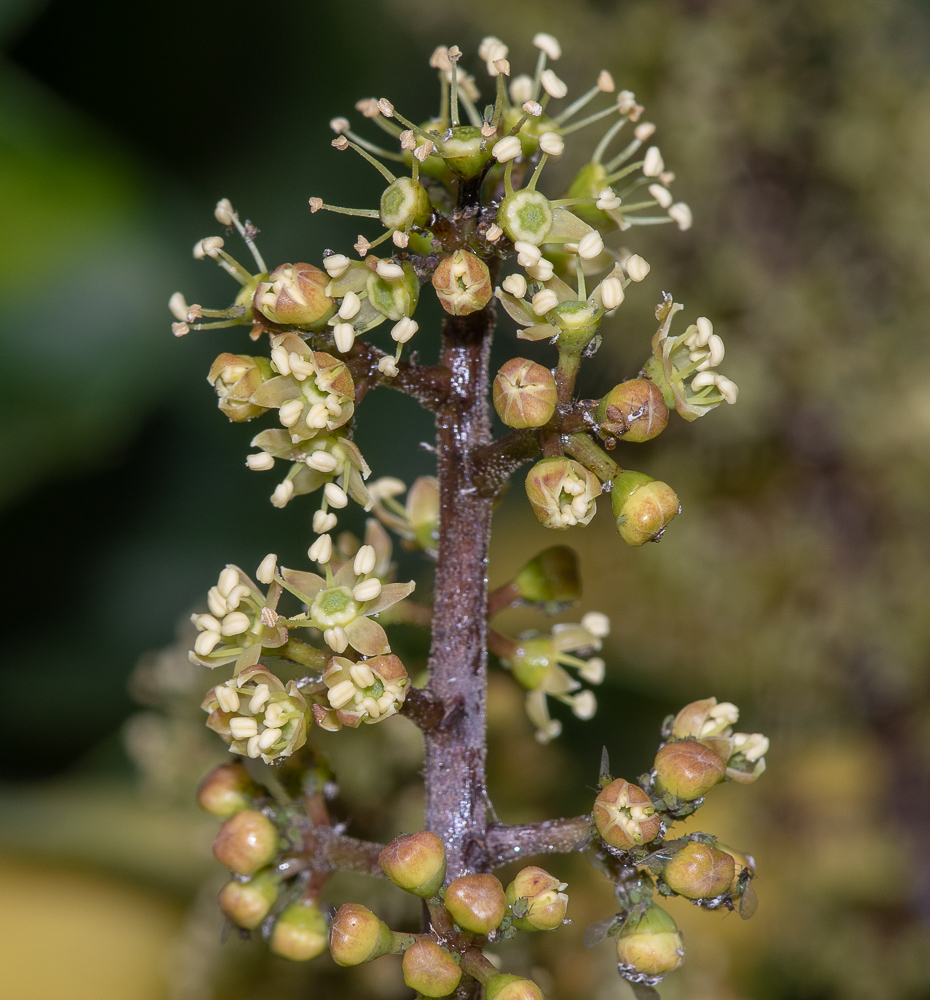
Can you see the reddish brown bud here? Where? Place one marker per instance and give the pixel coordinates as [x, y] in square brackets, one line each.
[699, 871]
[416, 863]
[525, 394]
[358, 936]
[625, 816]
[463, 283]
[477, 903]
[430, 970]
[246, 842]
[247, 904]
[226, 790]
[300, 933]
[634, 410]
[295, 295]
[688, 769]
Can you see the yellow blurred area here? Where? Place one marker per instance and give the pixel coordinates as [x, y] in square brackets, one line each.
[76, 935]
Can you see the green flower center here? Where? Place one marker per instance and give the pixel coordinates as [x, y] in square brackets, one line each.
[335, 606]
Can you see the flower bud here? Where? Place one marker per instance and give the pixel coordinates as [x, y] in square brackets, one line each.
[699, 871]
[507, 987]
[741, 862]
[525, 394]
[562, 492]
[624, 815]
[705, 718]
[226, 790]
[358, 936]
[405, 203]
[394, 297]
[642, 507]
[295, 295]
[235, 377]
[634, 410]
[688, 769]
[650, 944]
[246, 842]
[536, 900]
[300, 933]
[525, 215]
[477, 903]
[247, 904]
[430, 970]
[462, 283]
[416, 863]
[550, 578]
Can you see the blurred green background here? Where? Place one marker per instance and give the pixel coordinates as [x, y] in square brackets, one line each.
[795, 583]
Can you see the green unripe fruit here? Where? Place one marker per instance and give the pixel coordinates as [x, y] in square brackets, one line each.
[358, 936]
[688, 769]
[625, 816]
[634, 410]
[247, 904]
[525, 394]
[246, 842]
[651, 943]
[405, 203]
[226, 790]
[525, 215]
[699, 871]
[430, 970]
[465, 152]
[463, 283]
[416, 863]
[397, 297]
[536, 900]
[550, 578]
[507, 987]
[588, 183]
[642, 507]
[476, 902]
[300, 933]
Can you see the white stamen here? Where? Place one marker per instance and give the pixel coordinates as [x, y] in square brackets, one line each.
[680, 213]
[351, 304]
[205, 623]
[301, 368]
[552, 143]
[727, 388]
[343, 337]
[607, 200]
[593, 670]
[611, 292]
[387, 366]
[661, 194]
[282, 493]
[637, 268]
[361, 675]
[528, 254]
[336, 638]
[322, 461]
[259, 697]
[228, 579]
[280, 360]
[243, 729]
[542, 270]
[508, 148]
[235, 624]
[605, 82]
[226, 698]
[268, 738]
[317, 416]
[289, 412]
[335, 495]
[321, 550]
[368, 590]
[365, 560]
[260, 461]
[703, 380]
[404, 329]
[548, 43]
[705, 330]
[544, 301]
[584, 705]
[216, 602]
[552, 85]
[265, 572]
[590, 246]
[515, 285]
[236, 596]
[336, 265]
[224, 212]
[653, 164]
[178, 307]
[252, 748]
[597, 623]
[323, 521]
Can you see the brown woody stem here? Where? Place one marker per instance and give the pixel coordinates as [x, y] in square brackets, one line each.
[555, 836]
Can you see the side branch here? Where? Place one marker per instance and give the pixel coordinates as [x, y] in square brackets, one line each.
[494, 463]
[324, 849]
[430, 385]
[555, 836]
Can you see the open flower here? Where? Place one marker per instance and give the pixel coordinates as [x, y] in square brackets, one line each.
[258, 715]
[368, 691]
[240, 622]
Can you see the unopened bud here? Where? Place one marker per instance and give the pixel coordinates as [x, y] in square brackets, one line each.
[416, 863]
[525, 394]
[508, 987]
[699, 871]
[226, 790]
[477, 903]
[246, 842]
[525, 216]
[650, 944]
[688, 769]
[634, 410]
[536, 900]
[625, 816]
[550, 578]
[247, 904]
[463, 283]
[430, 970]
[358, 936]
[562, 492]
[300, 933]
[295, 295]
[642, 507]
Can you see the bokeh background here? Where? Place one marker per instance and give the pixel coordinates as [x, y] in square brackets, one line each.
[795, 583]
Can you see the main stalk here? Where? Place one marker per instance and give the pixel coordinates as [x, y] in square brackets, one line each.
[456, 800]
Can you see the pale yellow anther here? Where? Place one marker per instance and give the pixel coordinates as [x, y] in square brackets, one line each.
[361, 675]
[365, 560]
[321, 551]
[584, 705]
[259, 698]
[605, 82]
[508, 148]
[661, 194]
[341, 694]
[226, 698]
[552, 143]
[336, 265]
[343, 337]
[216, 602]
[404, 329]
[243, 729]
[266, 569]
[653, 164]
[644, 131]
[335, 495]
[611, 292]
[322, 461]
[552, 85]
[301, 367]
[400, 239]
[235, 624]
[253, 749]
[268, 738]
[323, 521]
[236, 596]
[593, 671]
[282, 493]
[178, 307]
[680, 214]
[636, 267]
[590, 246]
[521, 89]
[387, 366]
[515, 285]
[389, 270]
[348, 308]
[317, 416]
[368, 590]
[494, 233]
[548, 44]
[543, 301]
[289, 412]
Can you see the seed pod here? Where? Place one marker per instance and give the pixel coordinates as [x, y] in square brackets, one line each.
[246, 842]
[295, 295]
[624, 815]
[416, 863]
[226, 790]
[247, 904]
[405, 203]
[463, 283]
[430, 970]
[525, 215]
[650, 944]
[634, 410]
[477, 903]
[507, 987]
[688, 769]
[699, 871]
[642, 507]
[525, 394]
[358, 936]
[536, 900]
[300, 933]
[562, 492]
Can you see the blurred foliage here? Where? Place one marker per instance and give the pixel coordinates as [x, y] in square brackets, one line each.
[795, 582]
